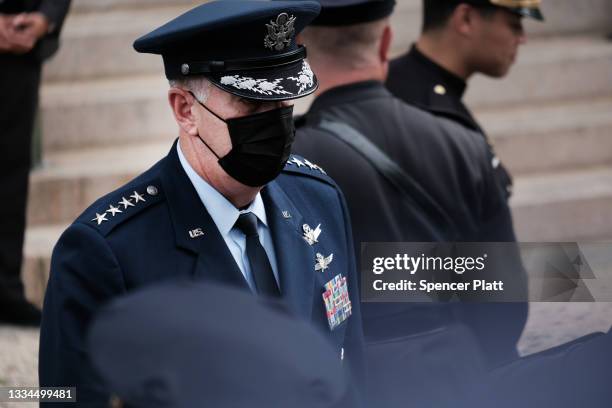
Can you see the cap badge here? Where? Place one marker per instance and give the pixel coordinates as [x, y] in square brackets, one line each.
[280, 32]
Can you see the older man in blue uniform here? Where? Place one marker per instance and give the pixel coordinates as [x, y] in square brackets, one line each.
[227, 205]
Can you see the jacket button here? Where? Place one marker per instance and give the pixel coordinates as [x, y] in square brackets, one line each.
[152, 190]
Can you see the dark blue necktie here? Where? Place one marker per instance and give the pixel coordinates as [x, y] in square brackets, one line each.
[258, 259]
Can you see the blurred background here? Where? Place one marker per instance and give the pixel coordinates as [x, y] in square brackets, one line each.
[104, 118]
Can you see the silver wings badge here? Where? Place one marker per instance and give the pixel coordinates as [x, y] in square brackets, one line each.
[280, 32]
[311, 235]
[323, 262]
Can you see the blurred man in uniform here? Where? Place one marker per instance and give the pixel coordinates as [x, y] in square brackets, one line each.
[367, 140]
[29, 34]
[408, 176]
[227, 205]
[249, 353]
[450, 192]
[460, 38]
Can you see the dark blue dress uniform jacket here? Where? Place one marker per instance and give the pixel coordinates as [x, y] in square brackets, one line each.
[149, 242]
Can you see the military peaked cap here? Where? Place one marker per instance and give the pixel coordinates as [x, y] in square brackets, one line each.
[245, 47]
[526, 8]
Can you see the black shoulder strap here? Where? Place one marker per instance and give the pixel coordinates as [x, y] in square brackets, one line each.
[392, 172]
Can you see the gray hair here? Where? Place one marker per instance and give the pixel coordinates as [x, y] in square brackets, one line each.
[199, 86]
[352, 47]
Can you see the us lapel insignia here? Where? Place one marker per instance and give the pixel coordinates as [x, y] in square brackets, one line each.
[286, 214]
[337, 302]
[194, 233]
[323, 262]
[311, 235]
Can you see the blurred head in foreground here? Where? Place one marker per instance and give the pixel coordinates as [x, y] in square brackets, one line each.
[186, 345]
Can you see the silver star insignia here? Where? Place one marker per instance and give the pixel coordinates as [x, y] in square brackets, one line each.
[311, 235]
[323, 262]
[126, 203]
[137, 197]
[100, 218]
[297, 161]
[113, 210]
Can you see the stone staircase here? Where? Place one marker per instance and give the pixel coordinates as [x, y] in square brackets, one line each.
[105, 119]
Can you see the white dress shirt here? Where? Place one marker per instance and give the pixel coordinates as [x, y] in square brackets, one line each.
[225, 215]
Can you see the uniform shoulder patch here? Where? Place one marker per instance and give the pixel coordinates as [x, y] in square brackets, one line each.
[300, 165]
[121, 205]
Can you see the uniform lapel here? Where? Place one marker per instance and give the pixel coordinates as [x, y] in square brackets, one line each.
[194, 229]
[295, 258]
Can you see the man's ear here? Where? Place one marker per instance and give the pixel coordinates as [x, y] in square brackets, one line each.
[385, 48]
[462, 20]
[385, 44]
[181, 103]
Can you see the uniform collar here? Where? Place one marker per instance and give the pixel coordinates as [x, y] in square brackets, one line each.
[452, 82]
[355, 92]
[221, 210]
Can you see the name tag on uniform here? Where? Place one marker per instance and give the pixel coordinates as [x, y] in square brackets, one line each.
[337, 302]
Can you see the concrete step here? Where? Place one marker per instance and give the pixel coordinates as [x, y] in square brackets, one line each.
[530, 139]
[550, 69]
[552, 207]
[99, 44]
[105, 112]
[568, 206]
[94, 113]
[110, 27]
[91, 6]
[553, 136]
[39, 243]
[69, 181]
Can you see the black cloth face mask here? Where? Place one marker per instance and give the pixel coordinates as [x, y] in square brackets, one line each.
[261, 145]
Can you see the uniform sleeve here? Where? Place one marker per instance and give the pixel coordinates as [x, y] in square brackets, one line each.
[498, 325]
[55, 11]
[354, 341]
[84, 275]
[496, 217]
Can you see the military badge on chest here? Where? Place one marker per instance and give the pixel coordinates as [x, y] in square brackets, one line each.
[335, 295]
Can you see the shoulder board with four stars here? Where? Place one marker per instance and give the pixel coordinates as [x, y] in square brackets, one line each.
[300, 165]
[121, 205]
